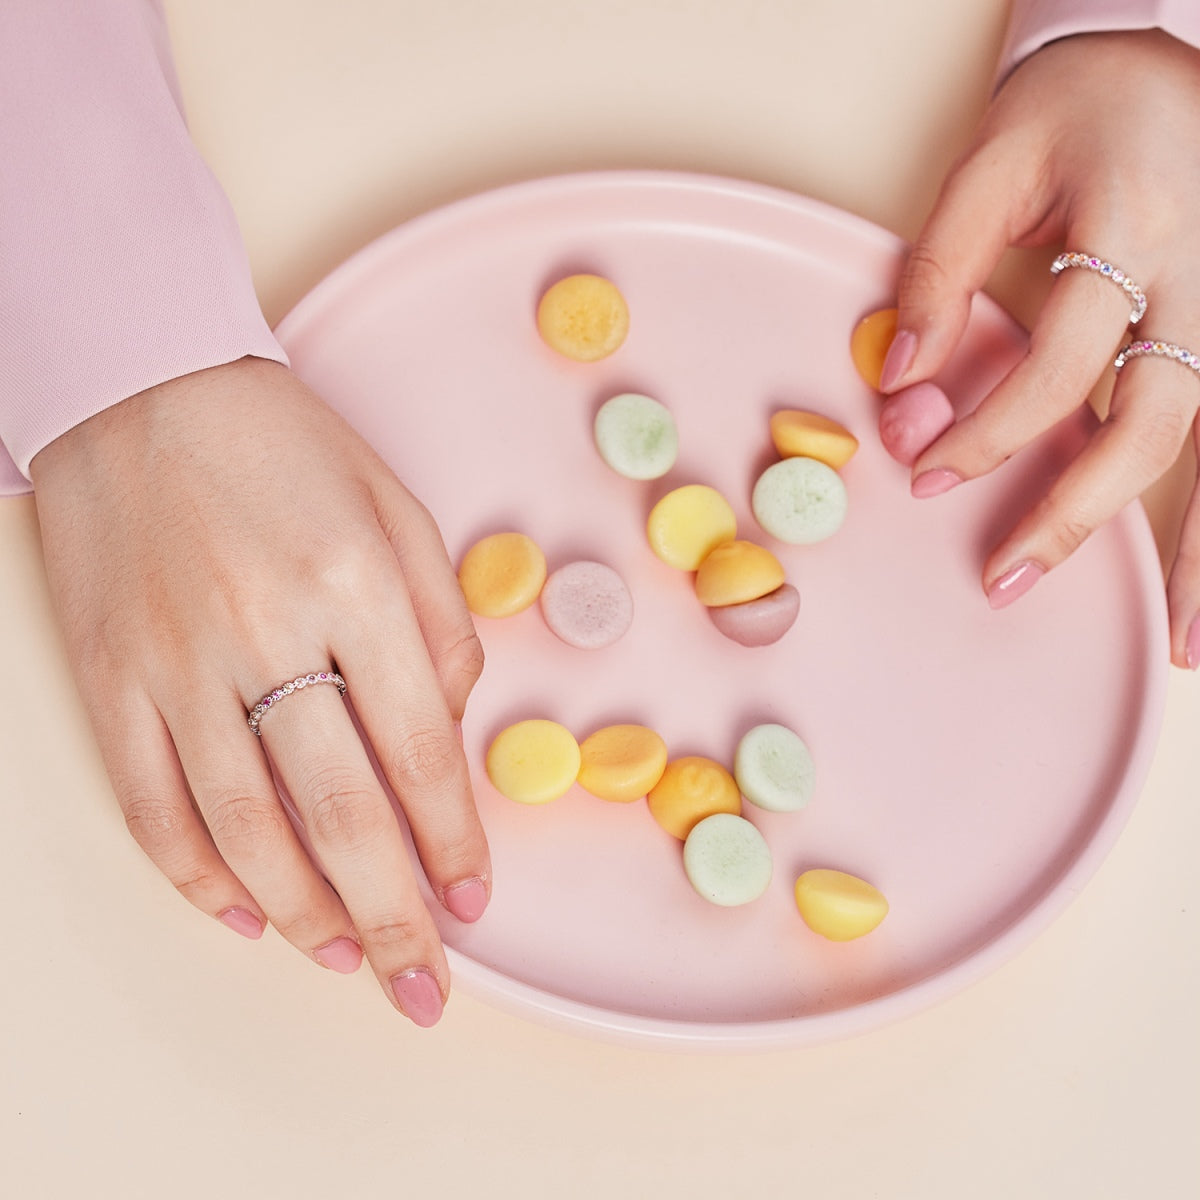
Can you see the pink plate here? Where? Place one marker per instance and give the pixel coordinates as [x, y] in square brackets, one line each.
[974, 765]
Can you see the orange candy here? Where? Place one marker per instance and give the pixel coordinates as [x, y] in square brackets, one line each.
[583, 317]
[870, 342]
[736, 572]
[502, 574]
[809, 435]
[692, 788]
[622, 762]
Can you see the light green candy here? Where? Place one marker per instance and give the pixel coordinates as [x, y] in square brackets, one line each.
[799, 500]
[636, 436]
[727, 860]
[774, 769]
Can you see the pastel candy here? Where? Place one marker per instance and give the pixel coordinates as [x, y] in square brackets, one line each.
[583, 317]
[636, 436]
[688, 523]
[533, 762]
[760, 622]
[502, 574]
[692, 788]
[735, 572]
[869, 343]
[797, 433]
[587, 604]
[838, 906]
[727, 860]
[913, 419]
[774, 768]
[799, 500]
[622, 762]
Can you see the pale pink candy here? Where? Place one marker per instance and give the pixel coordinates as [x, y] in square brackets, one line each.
[759, 622]
[587, 605]
[912, 419]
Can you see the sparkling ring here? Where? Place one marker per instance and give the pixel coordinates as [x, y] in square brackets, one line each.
[1160, 350]
[286, 689]
[1090, 263]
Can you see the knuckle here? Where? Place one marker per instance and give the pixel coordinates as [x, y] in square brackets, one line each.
[244, 823]
[1160, 437]
[1068, 532]
[462, 663]
[395, 931]
[156, 823]
[344, 811]
[924, 275]
[421, 757]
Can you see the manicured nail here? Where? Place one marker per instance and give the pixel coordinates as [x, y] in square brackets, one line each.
[243, 921]
[1191, 647]
[1014, 583]
[466, 900]
[343, 955]
[418, 994]
[899, 358]
[934, 483]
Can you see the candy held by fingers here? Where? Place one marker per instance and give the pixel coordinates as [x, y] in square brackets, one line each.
[760, 622]
[687, 524]
[622, 762]
[587, 605]
[838, 906]
[583, 317]
[799, 501]
[692, 788]
[727, 860]
[735, 572]
[502, 574]
[636, 436]
[869, 344]
[809, 435]
[912, 419]
[534, 761]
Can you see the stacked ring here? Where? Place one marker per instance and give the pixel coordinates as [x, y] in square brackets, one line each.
[256, 714]
[1159, 350]
[1089, 262]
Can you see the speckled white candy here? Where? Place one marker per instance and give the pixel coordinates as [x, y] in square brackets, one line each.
[636, 436]
[727, 860]
[774, 768]
[799, 501]
[587, 604]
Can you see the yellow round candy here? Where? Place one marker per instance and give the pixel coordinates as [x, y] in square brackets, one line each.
[692, 788]
[622, 762]
[799, 434]
[686, 525]
[584, 317]
[502, 574]
[838, 906]
[533, 762]
[870, 342]
[736, 572]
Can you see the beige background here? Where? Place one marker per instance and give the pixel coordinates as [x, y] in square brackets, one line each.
[148, 1052]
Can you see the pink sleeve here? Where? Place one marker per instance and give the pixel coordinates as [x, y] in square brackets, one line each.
[121, 265]
[1033, 23]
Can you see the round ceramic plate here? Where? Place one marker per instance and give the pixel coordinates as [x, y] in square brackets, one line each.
[973, 765]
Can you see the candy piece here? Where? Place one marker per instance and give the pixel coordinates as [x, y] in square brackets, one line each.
[760, 622]
[533, 761]
[838, 906]
[636, 436]
[735, 572]
[912, 419]
[686, 525]
[799, 500]
[727, 860]
[870, 342]
[692, 788]
[622, 762]
[583, 317]
[774, 769]
[587, 605]
[502, 574]
[810, 435]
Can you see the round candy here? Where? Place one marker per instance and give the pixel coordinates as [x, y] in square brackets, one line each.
[622, 762]
[533, 761]
[587, 605]
[636, 436]
[692, 788]
[799, 500]
[760, 622]
[870, 342]
[583, 317]
[774, 769]
[687, 524]
[502, 574]
[727, 860]
[810, 435]
[735, 572]
[838, 906]
[913, 419]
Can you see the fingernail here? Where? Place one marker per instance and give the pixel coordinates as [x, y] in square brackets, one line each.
[1014, 583]
[243, 921]
[1191, 648]
[418, 994]
[934, 482]
[343, 955]
[466, 900]
[899, 358]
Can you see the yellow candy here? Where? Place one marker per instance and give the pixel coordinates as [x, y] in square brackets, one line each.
[583, 317]
[533, 761]
[838, 906]
[870, 342]
[691, 789]
[622, 762]
[736, 572]
[502, 574]
[799, 434]
[686, 525]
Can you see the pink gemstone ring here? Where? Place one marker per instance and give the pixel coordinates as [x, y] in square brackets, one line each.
[1090, 262]
[256, 714]
[1159, 350]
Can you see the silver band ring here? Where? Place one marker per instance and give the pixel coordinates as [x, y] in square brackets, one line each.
[1089, 262]
[256, 714]
[1158, 350]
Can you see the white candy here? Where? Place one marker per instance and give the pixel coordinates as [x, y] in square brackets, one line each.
[636, 436]
[799, 500]
[727, 860]
[774, 769]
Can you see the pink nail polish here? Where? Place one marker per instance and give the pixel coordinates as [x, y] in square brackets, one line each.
[343, 955]
[418, 994]
[466, 900]
[1191, 647]
[899, 358]
[243, 921]
[1014, 583]
[933, 483]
